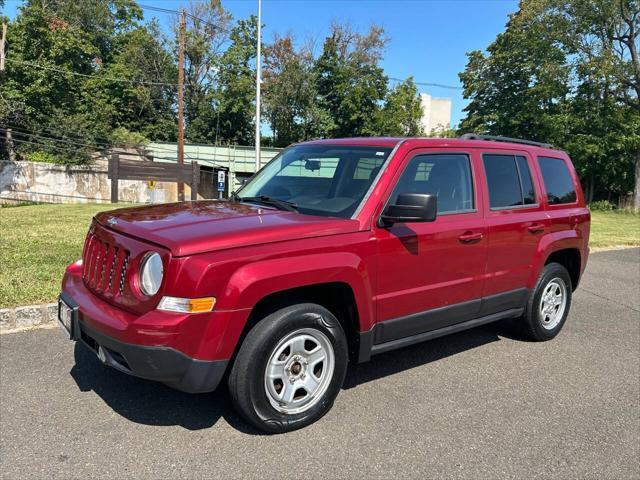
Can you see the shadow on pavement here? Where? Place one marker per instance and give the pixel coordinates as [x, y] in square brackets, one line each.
[152, 403]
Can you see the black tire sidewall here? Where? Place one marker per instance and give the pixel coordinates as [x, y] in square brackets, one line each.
[550, 271]
[261, 342]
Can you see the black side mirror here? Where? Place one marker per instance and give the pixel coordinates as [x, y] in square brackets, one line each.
[410, 207]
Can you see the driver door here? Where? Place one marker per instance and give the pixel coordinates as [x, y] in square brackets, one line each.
[431, 273]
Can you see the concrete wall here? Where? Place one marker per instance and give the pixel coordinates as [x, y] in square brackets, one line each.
[51, 183]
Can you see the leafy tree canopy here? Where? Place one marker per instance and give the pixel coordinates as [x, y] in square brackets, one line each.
[565, 72]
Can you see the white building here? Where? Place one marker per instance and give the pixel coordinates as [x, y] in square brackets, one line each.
[436, 113]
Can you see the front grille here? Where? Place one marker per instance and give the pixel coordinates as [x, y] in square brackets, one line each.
[104, 266]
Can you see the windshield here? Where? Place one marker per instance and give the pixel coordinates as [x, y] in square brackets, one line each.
[327, 180]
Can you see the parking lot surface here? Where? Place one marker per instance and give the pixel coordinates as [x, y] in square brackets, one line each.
[480, 404]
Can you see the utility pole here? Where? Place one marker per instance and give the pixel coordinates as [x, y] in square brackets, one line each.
[2, 42]
[8, 133]
[181, 101]
[258, 86]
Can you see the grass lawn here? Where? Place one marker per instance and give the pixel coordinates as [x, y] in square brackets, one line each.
[37, 242]
[614, 229]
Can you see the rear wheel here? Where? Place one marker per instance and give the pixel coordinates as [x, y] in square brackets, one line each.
[289, 368]
[549, 304]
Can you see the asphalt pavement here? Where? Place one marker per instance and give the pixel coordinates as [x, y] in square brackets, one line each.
[484, 403]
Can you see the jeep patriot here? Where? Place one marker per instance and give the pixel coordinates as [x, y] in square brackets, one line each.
[335, 251]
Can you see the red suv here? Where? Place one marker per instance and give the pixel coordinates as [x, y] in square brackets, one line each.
[335, 251]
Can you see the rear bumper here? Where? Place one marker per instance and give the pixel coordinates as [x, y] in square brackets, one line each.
[161, 364]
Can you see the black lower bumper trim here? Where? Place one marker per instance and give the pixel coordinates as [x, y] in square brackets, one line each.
[162, 364]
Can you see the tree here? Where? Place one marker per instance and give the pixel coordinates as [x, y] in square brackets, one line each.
[402, 112]
[66, 87]
[604, 41]
[235, 96]
[117, 97]
[33, 96]
[350, 83]
[290, 95]
[207, 30]
[518, 88]
[560, 73]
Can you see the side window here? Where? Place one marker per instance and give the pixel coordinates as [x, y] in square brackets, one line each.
[528, 193]
[448, 176]
[557, 180]
[508, 180]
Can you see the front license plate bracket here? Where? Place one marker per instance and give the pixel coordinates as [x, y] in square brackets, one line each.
[68, 316]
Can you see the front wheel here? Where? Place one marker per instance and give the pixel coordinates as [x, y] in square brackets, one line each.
[289, 368]
[549, 304]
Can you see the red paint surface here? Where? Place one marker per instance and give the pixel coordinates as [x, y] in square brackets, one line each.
[240, 253]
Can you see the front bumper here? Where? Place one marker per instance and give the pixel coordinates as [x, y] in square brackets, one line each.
[162, 364]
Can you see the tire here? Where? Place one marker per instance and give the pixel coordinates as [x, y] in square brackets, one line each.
[290, 344]
[542, 324]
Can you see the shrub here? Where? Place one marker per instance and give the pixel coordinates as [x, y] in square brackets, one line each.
[602, 206]
[43, 157]
[71, 158]
[121, 137]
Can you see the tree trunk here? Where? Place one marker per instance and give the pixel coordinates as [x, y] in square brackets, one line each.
[636, 190]
[10, 147]
[590, 188]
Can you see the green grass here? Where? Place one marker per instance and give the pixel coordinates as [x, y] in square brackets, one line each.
[614, 229]
[37, 242]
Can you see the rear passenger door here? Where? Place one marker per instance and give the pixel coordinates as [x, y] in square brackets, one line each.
[516, 222]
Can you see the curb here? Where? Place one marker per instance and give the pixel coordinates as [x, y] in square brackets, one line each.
[20, 318]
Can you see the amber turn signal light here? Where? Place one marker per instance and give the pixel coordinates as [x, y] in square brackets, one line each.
[187, 305]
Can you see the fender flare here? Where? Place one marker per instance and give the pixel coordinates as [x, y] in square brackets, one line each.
[253, 282]
[550, 243]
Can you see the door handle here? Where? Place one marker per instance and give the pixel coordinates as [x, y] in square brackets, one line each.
[536, 228]
[470, 237]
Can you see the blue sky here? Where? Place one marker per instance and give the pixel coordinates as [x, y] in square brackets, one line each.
[428, 38]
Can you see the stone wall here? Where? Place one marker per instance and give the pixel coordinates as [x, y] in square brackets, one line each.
[51, 183]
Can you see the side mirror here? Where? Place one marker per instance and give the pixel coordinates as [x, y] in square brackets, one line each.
[410, 207]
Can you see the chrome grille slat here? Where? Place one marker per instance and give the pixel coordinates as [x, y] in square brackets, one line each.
[104, 266]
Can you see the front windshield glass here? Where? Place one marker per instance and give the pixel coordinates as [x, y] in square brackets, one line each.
[328, 180]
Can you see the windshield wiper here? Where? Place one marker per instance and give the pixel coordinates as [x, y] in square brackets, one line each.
[276, 202]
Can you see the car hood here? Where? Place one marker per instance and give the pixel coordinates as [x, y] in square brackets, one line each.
[196, 227]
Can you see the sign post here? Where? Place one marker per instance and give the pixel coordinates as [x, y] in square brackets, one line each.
[221, 182]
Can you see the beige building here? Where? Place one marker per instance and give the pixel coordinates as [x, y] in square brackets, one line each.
[436, 113]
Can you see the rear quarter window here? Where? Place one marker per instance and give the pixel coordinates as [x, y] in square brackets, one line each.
[557, 180]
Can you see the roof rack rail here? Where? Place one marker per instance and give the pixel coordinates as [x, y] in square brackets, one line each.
[475, 136]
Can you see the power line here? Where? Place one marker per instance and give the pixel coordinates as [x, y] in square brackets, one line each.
[25, 133]
[66, 146]
[429, 84]
[24, 126]
[62, 149]
[60, 70]
[176, 12]
[106, 143]
[59, 134]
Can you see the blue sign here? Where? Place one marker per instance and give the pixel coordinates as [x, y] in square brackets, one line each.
[221, 186]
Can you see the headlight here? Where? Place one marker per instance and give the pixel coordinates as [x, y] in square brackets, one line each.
[151, 273]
